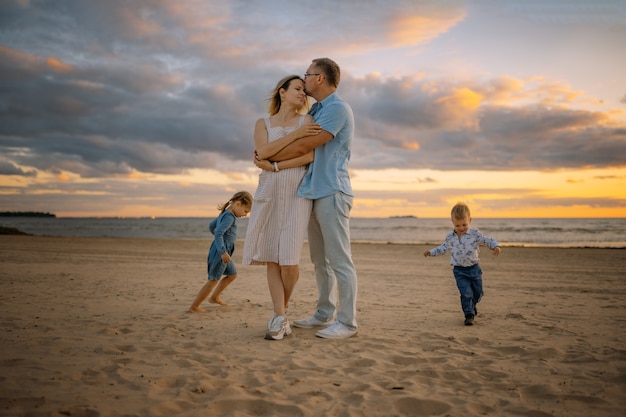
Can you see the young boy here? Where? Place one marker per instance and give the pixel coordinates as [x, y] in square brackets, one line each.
[463, 243]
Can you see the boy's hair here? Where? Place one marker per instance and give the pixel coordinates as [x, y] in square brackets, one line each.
[460, 211]
[242, 196]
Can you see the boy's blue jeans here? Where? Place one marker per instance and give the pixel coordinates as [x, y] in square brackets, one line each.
[469, 281]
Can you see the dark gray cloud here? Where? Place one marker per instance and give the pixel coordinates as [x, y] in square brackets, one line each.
[102, 90]
[8, 168]
[419, 129]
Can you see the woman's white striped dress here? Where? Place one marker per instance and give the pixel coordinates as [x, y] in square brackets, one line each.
[279, 218]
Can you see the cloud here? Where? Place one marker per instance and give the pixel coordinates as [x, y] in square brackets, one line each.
[496, 124]
[163, 198]
[518, 200]
[9, 169]
[101, 90]
[111, 119]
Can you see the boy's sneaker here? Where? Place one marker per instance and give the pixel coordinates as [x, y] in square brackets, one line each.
[277, 328]
[469, 320]
[336, 331]
[311, 322]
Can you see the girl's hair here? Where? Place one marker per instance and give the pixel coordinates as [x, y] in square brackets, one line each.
[242, 196]
[274, 101]
[330, 69]
[460, 211]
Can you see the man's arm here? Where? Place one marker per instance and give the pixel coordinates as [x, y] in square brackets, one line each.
[301, 146]
[265, 149]
[266, 165]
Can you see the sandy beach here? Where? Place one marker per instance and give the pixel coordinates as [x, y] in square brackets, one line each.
[99, 327]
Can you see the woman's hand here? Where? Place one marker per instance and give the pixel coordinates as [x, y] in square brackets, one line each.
[264, 164]
[308, 129]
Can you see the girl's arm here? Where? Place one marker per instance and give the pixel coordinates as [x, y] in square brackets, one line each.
[265, 149]
[225, 223]
[266, 165]
[213, 225]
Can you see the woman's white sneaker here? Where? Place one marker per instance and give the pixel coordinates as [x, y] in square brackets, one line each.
[278, 327]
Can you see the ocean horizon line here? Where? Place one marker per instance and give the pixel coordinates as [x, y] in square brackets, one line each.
[536, 231]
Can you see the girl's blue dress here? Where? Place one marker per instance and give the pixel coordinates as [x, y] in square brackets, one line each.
[224, 229]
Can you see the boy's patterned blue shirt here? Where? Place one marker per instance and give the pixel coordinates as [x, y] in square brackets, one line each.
[464, 251]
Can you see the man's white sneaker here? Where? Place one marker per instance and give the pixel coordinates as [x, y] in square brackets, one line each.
[336, 331]
[311, 322]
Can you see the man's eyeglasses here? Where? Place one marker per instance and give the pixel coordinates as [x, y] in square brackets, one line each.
[308, 75]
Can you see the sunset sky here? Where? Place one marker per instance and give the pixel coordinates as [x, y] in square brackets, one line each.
[516, 107]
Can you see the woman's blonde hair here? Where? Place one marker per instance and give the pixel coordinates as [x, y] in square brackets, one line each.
[274, 100]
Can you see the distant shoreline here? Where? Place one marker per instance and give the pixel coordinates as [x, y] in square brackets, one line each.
[12, 231]
[25, 214]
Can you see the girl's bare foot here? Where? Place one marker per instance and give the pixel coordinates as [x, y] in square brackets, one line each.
[217, 300]
[198, 309]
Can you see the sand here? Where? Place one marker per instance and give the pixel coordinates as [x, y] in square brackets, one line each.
[99, 327]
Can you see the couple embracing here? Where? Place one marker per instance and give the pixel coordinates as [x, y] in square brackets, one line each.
[304, 189]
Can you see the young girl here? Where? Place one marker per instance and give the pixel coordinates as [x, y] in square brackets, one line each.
[219, 262]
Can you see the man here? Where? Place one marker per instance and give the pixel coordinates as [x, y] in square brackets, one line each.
[327, 183]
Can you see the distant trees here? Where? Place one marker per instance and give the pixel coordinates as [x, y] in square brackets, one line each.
[25, 214]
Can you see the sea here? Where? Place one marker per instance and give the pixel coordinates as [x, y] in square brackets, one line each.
[530, 232]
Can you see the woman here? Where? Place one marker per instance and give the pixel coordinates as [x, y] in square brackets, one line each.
[279, 218]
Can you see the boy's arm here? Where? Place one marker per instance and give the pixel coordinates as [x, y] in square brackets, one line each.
[439, 250]
[490, 243]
